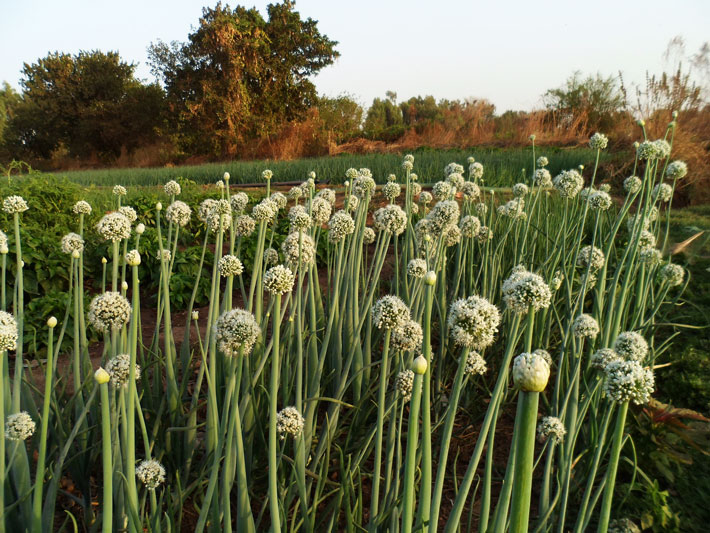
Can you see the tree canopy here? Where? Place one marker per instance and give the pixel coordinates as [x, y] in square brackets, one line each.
[90, 104]
[240, 76]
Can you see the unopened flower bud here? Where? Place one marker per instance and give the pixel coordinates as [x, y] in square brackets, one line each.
[159, 206]
[430, 278]
[52, 321]
[75, 254]
[226, 176]
[419, 365]
[101, 376]
[124, 285]
[104, 260]
[140, 229]
[531, 372]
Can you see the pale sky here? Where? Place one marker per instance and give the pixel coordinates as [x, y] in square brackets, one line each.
[506, 51]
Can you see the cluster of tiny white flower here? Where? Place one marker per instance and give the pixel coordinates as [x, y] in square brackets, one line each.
[8, 331]
[585, 326]
[391, 218]
[404, 384]
[473, 322]
[151, 473]
[289, 422]
[297, 250]
[172, 188]
[568, 183]
[178, 213]
[236, 331]
[72, 242]
[408, 336]
[119, 368]
[230, 265]
[114, 227]
[628, 381]
[475, 364]
[631, 346]
[340, 225]
[525, 290]
[552, 428]
[320, 211]
[279, 279]
[19, 426]
[592, 257]
[108, 311]
[390, 312]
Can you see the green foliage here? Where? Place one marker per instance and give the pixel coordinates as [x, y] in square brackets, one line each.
[502, 167]
[650, 506]
[9, 99]
[87, 105]
[341, 116]
[384, 118]
[597, 98]
[240, 76]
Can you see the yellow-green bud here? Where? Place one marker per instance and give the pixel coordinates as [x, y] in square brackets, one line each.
[52, 321]
[104, 260]
[4, 249]
[101, 376]
[531, 372]
[419, 365]
[75, 254]
[430, 278]
[140, 228]
[641, 122]
[226, 176]
[532, 137]
[195, 315]
[158, 206]
[124, 285]
[675, 115]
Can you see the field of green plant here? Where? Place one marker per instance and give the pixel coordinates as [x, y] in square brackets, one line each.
[503, 167]
[366, 357]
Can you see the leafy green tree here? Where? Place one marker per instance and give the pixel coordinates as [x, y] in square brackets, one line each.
[239, 76]
[90, 104]
[418, 111]
[341, 116]
[384, 118]
[596, 97]
[9, 98]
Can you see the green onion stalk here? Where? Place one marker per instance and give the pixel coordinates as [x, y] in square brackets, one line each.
[419, 367]
[617, 440]
[496, 398]
[102, 378]
[384, 372]
[42, 452]
[273, 404]
[530, 374]
[424, 511]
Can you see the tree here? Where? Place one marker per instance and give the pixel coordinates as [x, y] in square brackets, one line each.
[239, 76]
[341, 116]
[596, 97]
[384, 118]
[9, 99]
[90, 103]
